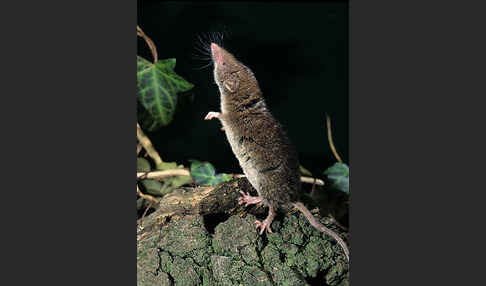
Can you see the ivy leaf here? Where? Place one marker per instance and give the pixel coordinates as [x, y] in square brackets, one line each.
[143, 165]
[172, 183]
[168, 166]
[226, 177]
[152, 187]
[338, 175]
[204, 173]
[157, 88]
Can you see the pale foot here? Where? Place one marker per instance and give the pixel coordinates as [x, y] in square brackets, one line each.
[212, 115]
[267, 222]
[248, 200]
[263, 225]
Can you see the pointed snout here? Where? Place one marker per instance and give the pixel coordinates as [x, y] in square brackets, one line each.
[217, 54]
[214, 47]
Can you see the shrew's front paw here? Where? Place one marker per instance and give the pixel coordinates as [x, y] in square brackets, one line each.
[212, 115]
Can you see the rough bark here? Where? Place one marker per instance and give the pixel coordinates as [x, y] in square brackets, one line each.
[220, 199]
[180, 244]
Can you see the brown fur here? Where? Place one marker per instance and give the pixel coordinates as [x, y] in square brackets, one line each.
[264, 151]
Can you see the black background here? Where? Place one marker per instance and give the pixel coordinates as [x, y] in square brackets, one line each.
[297, 51]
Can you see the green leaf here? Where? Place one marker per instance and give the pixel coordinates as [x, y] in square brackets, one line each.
[168, 166]
[140, 203]
[178, 181]
[338, 175]
[152, 187]
[226, 177]
[171, 183]
[166, 185]
[157, 88]
[204, 173]
[143, 165]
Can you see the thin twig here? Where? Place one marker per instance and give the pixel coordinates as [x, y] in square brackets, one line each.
[313, 187]
[303, 179]
[163, 174]
[149, 42]
[311, 180]
[145, 212]
[329, 137]
[140, 221]
[147, 197]
[147, 145]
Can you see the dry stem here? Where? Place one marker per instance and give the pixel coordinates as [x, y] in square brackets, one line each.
[147, 145]
[329, 137]
[147, 197]
[149, 42]
[163, 174]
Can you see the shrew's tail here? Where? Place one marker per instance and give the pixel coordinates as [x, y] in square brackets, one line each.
[313, 221]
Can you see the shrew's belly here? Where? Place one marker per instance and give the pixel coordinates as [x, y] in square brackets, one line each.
[243, 154]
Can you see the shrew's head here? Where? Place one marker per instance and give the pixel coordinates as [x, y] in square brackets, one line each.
[230, 75]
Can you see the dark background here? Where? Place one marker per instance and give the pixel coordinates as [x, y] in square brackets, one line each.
[297, 51]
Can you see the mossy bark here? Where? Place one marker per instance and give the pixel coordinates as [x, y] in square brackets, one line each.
[178, 246]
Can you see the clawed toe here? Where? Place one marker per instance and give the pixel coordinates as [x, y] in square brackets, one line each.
[243, 198]
[263, 225]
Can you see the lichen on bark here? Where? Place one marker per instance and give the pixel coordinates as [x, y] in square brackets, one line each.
[183, 252]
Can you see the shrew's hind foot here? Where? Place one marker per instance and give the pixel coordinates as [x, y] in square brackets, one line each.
[267, 222]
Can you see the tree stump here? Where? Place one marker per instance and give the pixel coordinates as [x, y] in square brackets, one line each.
[201, 236]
